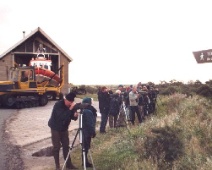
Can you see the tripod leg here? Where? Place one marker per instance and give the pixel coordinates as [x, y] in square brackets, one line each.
[82, 142]
[66, 160]
[127, 127]
[70, 148]
[126, 118]
[84, 158]
[91, 159]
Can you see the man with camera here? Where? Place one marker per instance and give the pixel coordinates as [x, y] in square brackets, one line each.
[133, 99]
[115, 103]
[63, 112]
[104, 106]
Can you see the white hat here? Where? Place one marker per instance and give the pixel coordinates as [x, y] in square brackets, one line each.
[118, 91]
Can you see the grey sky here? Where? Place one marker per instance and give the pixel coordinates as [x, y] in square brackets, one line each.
[118, 41]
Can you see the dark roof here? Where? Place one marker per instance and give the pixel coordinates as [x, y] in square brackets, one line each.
[30, 35]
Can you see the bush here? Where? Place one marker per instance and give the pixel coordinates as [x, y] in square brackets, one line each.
[164, 146]
[205, 91]
[91, 89]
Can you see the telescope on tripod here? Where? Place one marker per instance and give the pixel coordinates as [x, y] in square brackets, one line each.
[124, 114]
[81, 135]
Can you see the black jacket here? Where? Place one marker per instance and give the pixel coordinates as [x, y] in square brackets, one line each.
[61, 117]
[115, 103]
[104, 101]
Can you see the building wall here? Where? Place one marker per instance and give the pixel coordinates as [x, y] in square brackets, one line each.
[64, 60]
[5, 65]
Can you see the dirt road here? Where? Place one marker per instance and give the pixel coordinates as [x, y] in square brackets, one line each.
[28, 130]
[8, 153]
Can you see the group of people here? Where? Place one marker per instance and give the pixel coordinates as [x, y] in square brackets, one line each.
[138, 99]
[62, 113]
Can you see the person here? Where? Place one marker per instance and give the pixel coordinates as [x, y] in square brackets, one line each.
[133, 99]
[121, 87]
[41, 49]
[145, 101]
[104, 106]
[152, 98]
[139, 85]
[125, 94]
[115, 104]
[89, 115]
[62, 114]
[141, 99]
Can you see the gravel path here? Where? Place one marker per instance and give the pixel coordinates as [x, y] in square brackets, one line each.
[27, 132]
[9, 154]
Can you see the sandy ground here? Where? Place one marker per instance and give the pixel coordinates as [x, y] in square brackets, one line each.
[29, 131]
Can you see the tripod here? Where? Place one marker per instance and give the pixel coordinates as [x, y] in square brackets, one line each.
[81, 137]
[124, 114]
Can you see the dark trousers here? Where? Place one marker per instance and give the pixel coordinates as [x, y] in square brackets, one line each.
[60, 139]
[87, 145]
[104, 118]
[113, 120]
[135, 109]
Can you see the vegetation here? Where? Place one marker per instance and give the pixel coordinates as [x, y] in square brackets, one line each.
[165, 88]
[177, 136]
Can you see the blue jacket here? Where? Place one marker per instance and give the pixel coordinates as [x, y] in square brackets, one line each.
[88, 123]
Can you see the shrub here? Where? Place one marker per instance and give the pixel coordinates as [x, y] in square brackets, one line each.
[164, 146]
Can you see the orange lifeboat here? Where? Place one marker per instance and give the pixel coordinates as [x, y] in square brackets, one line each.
[43, 70]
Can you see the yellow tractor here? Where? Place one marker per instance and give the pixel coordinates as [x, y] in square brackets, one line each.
[24, 90]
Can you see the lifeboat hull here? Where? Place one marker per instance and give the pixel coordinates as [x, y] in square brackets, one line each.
[45, 75]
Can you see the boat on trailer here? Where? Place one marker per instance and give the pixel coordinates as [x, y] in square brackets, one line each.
[43, 70]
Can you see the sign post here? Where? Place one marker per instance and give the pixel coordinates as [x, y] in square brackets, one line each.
[204, 56]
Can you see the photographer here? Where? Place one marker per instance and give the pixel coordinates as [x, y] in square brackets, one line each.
[104, 106]
[115, 103]
[134, 98]
[153, 99]
[89, 115]
[145, 101]
[63, 112]
[124, 95]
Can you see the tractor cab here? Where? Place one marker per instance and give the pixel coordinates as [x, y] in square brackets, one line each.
[23, 77]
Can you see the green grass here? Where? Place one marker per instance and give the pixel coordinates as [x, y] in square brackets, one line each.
[179, 136]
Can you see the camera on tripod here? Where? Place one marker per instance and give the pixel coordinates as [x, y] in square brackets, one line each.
[82, 132]
[80, 106]
[142, 92]
[113, 95]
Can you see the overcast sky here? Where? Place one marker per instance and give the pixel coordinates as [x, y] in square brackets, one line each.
[118, 41]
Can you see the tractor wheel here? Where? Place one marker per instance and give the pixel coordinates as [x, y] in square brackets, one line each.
[18, 105]
[9, 100]
[54, 96]
[43, 100]
[60, 96]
